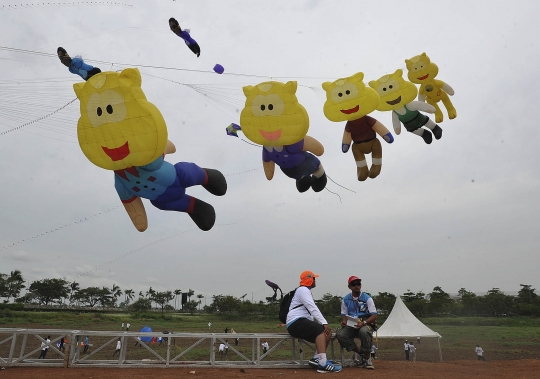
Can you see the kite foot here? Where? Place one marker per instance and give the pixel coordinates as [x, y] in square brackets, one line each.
[302, 185]
[174, 25]
[216, 183]
[437, 132]
[63, 56]
[426, 136]
[203, 215]
[375, 171]
[362, 173]
[438, 116]
[318, 184]
[452, 113]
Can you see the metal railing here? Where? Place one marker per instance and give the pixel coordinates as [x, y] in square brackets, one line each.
[20, 347]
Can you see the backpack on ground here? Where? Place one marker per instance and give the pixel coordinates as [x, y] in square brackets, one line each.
[286, 304]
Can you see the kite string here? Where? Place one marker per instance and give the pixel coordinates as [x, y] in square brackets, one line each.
[142, 247]
[38, 119]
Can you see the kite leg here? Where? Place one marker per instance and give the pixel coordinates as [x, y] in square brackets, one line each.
[361, 164]
[438, 112]
[319, 179]
[436, 129]
[452, 113]
[376, 157]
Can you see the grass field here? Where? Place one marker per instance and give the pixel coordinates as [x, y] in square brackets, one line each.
[501, 338]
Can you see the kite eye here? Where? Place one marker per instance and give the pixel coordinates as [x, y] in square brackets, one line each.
[109, 109]
[99, 111]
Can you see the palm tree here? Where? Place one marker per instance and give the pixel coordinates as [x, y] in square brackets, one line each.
[140, 294]
[190, 293]
[116, 293]
[200, 296]
[14, 284]
[176, 293]
[73, 287]
[129, 295]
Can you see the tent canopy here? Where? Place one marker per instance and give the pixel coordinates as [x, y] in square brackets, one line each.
[402, 323]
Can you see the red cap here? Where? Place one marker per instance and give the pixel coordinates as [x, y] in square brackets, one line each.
[306, 278]
[353, 278]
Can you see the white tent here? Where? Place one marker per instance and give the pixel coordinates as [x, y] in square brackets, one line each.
[401, 323]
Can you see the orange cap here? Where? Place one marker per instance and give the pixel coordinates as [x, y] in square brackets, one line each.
[307, 277]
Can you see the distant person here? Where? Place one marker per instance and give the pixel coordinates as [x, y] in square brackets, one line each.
[226, 347]
[359, 305]
[406, 347]
[209, 325]
[76, 65]
[138, 342]
[61, 345]
[480, 353]
[374, 349]
[85, 345]
[300, 323]
[127, 327]
[221, 350]
[417, 340]
[226, 330]
[184, 34]
[44, 347]
[122, 325]
[265, 346]
[118, 347]
[412, 351]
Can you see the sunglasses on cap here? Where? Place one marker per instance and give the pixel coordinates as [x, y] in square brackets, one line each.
[355, 283]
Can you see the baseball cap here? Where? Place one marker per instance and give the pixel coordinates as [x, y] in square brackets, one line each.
[352, 278]
[306, 278]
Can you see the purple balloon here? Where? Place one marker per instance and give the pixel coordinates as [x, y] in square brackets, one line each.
[219, 69]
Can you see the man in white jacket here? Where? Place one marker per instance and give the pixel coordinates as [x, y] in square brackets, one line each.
[300, 323]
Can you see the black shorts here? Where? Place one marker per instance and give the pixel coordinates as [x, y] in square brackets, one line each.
[305, 329]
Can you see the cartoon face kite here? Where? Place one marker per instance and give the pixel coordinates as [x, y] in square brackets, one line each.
[120, 130]
[348, 99]
[422, 71]
[272, 117]
[397, 95]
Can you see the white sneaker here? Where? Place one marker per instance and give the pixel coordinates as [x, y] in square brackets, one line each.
[368, 364]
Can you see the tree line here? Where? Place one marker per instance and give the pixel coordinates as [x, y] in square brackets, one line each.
[435, 303]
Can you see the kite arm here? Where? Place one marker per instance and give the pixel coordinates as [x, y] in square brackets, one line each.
[170, 148]
[313, 146]
[421, 106]
[449, 90]
[422, 97]
[346, 141]
[381, 130]
[269, 168]
[396, 123]
[137, 214]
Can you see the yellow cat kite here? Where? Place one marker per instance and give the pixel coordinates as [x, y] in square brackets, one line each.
[349, 99]
[422, 71]
[397, 95]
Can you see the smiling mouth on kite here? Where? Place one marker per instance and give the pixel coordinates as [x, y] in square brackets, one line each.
[118, 153]
[349, 111]
[270, 136]
[394, 102]
[423, 77]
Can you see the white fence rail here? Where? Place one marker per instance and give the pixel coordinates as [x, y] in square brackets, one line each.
[21, 347]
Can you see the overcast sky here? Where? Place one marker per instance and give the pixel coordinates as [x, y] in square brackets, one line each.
[461, 212]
